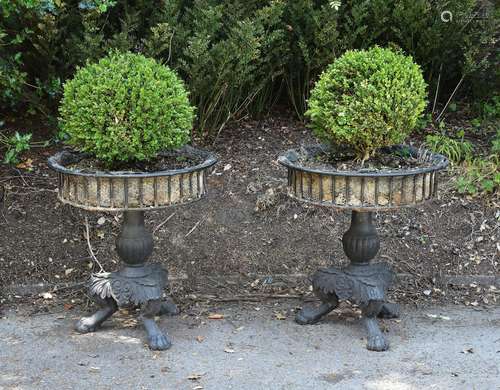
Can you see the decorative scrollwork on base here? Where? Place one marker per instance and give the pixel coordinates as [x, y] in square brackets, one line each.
[356, 283]
[130, 286]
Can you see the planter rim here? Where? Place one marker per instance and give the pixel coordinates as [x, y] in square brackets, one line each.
[58, 161]
[290, 160]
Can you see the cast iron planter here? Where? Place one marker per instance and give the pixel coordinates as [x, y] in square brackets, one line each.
[362, 282]
[138, 283]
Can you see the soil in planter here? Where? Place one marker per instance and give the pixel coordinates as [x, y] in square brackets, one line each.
[345, 160]
[160, 163]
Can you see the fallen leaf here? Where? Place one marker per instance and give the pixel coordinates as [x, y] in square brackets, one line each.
[280, 316]
[195, 377]
[68, 306]
[27, 164]
[438, 316]
[215, 316]
[200, 339]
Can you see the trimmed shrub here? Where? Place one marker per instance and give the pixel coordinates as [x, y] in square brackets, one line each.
[242, 57]
[126, 107]
[367, 99]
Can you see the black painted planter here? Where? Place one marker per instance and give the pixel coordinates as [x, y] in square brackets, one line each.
[362, 282]
[363, 189]
[137, 283]
[121, 190]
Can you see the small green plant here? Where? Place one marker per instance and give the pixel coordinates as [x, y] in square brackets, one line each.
[15, 145]
[367, 99]
[488, 112]
[456, 150]
[495, 144]
[481, 174]
[475, 174]
[490, 109]
[125, 108]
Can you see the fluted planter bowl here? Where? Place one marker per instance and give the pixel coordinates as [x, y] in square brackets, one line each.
[122, 190]
[362, 189]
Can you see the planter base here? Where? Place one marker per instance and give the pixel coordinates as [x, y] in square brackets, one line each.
[362, 282]
[137, 284]
[362, 285]
[157, 340]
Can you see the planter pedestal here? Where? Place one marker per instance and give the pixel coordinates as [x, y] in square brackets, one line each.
[362, 282]
[137, 283]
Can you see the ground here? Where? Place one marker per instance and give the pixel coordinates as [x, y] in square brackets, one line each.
[245, 252]
[246, 238]
[254, 346]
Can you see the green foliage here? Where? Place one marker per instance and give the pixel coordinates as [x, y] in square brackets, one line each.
[477, 174]
[239, 57]
[481, 175]
[125, 107]
[446, 48]
[456, 150]
[495, 144]
[367, 99]
[15, 145]
[488, 110]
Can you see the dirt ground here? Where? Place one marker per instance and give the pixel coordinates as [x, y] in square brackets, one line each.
[246, 238]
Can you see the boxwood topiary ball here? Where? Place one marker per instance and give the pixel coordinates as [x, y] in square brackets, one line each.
[126, 107]
[367, 99]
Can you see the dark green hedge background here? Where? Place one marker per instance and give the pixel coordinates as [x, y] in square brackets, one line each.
[241, 57]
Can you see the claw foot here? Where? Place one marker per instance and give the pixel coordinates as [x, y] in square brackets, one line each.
[376, 340]
[86, 325]
[159, 342]
[377, 343]
[310, 314]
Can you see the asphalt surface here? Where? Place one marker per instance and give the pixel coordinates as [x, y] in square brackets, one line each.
[432, 348]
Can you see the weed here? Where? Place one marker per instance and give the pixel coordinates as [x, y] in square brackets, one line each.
[15, 145]
[456, 150]
[482, 174]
